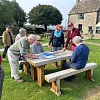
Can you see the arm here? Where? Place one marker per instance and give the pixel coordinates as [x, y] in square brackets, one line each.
[51, 38]
[67, 39]
[42, 48]
[74, 55]
[62, 39]
[4, 38]
[33, 49]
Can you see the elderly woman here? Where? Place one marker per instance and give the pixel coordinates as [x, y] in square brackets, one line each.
[57, 40]
[37, 46]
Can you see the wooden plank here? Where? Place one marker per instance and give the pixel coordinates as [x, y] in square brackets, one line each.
[22, 62]
[59, 56]
[40, 72]
[68, 72]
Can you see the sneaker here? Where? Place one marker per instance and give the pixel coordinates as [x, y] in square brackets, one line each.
[20, 80]
[69, 79]
[20, 71]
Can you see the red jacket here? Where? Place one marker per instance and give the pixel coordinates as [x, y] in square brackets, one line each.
[70, 36]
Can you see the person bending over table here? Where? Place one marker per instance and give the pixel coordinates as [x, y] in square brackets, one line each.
[17, 49]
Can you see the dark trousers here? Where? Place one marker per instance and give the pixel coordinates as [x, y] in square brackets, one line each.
[5, 51]
[20, 66]
[1, 80]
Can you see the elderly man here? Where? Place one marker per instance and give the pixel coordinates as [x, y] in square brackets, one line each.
[17, 49]
[7, 38]
[79, 57]
[72, 32]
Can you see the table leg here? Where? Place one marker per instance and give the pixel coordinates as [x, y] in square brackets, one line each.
[26, 68]
[33, 72]
[40, 70]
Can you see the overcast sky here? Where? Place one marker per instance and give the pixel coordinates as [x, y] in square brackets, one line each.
[64, 6]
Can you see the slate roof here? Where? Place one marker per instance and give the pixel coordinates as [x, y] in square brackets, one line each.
[85, 6]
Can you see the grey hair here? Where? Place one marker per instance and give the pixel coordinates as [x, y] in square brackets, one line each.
[22, 30]
[38, 37]
[77, 39]
[32, 36]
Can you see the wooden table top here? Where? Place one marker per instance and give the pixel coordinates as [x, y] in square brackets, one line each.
[57, 56]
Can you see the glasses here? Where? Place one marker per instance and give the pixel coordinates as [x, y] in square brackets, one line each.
[38, 40]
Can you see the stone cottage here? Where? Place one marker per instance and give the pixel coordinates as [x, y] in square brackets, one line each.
[85, 15]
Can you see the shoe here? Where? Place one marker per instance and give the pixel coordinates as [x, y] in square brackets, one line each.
[20, 71]
[3, 58]
[20, 80]
[69, 79]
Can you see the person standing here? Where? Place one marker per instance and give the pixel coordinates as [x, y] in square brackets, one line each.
[1, 77]
[72, 32]
[17, 49]
[22, 33]
[79, 57]
[8, 40]
[57, 40]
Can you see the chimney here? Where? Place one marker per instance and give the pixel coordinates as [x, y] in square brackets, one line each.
[77, 1]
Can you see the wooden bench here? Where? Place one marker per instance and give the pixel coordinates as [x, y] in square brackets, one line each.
[25, 65]
[55, 77]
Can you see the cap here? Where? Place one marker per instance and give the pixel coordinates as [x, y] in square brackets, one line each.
[7, 26]
[58, 27]
[70, 24]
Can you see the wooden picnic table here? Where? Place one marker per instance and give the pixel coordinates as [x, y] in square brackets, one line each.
[41, 61]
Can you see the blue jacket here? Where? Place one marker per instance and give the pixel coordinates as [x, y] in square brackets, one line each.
[80, 56]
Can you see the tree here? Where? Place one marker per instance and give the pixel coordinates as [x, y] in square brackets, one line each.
[45, 15]
[19, 15]
[6, 13]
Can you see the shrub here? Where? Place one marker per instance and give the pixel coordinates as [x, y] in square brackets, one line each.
[38, 30]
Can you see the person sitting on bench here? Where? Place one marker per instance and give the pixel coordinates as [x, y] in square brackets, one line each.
[79, 57]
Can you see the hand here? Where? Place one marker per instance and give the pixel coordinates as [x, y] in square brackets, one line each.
[33, 56]
[64, 48]
[49, 46]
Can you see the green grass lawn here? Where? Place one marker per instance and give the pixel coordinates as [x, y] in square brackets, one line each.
[29, 90]
[93, 40]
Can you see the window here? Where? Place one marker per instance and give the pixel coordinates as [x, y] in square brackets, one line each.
[80, 16]
[89, 29]
[80, 27]
[98, 30]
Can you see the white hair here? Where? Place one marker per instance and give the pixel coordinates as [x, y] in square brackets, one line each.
[38, 37]
[22, 30]
[32, 36]
[77, 39]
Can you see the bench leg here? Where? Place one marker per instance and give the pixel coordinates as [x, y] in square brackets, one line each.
[26, 68]
[62, 62]
[89, 74]
[40, 70]
[56, 87]
[33, 72]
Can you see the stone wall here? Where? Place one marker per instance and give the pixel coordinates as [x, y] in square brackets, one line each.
[89, 20]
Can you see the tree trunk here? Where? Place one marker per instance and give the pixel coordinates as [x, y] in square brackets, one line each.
[45, 26]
